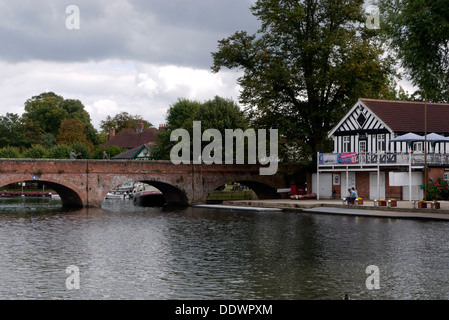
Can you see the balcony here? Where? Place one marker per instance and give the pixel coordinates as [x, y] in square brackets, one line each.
[349, 159]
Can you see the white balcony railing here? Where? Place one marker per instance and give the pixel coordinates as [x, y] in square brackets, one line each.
[384, 158]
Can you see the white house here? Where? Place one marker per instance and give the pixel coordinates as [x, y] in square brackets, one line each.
[365, 157]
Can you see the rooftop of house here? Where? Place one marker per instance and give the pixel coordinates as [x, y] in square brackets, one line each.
[132, 138]
[408, 116]
[134, 152]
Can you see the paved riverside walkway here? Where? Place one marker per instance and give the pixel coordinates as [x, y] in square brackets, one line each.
[404, 209]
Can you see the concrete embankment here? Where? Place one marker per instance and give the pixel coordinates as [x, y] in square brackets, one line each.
[404, 209]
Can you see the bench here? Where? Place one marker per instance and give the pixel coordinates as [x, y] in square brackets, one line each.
[345, 201]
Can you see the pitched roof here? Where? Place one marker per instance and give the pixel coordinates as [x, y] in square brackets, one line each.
[408, 116]
[133, 153]
[129, 138]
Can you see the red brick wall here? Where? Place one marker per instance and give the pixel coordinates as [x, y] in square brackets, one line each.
[435, 174]
[392, 192]
[362, 184]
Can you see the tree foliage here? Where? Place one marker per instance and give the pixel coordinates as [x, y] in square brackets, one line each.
[306, 66]
[11, 131]
[73, 130]
[121, 121]
[419, 33]
[217, 113]
[47, 111]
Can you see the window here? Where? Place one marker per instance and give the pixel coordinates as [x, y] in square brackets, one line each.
[417, 146]
[362, 146]
[446, 177]
[381, 144]
[346, 144]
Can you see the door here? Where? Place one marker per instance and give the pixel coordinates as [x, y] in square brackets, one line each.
[325, 186]
[373, 185]
[351, 183]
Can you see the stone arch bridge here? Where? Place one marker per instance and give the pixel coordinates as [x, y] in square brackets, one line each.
[86, 182]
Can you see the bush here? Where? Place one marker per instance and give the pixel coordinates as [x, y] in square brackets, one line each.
[60, 151]
[86, 153]
[35, 152]
[9, 152]
[438, 190]
[110, 150]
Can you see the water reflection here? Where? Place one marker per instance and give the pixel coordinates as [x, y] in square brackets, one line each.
[128, 252]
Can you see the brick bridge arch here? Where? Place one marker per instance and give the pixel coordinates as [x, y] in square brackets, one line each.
[86, 182]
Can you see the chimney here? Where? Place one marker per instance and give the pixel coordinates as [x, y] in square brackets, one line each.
[111, 133]
[139, 128]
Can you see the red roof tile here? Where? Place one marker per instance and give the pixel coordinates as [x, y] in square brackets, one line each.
[408, 116]
[129, 138]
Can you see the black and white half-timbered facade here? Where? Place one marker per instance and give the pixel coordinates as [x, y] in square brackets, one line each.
[366, 157]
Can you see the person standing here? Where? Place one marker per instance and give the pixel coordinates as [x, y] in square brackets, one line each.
[72, 155]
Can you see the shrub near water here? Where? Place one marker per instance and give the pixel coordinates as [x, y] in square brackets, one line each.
[438, 190]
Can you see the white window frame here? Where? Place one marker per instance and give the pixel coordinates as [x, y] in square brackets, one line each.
[446, 177]
[381, 142]
[417, 147]
[364, 143]
[346, 143]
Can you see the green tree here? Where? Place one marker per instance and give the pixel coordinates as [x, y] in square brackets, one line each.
[121, 121]
[178, 116]
[306, 66]
[217, 113]
[79, 147]
[48, 110]
[110, 150]
[44, 111]
[73, 130]
[12, 131]
[419, 34]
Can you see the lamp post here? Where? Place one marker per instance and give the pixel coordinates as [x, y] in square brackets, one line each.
[425, 146]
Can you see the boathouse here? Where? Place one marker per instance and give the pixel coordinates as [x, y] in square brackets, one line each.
[379, 150]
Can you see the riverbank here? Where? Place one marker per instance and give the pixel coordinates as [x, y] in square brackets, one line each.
[404, 209]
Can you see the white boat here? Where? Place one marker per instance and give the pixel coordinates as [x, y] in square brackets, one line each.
[122, 192]
[117, 194]
[54, 196]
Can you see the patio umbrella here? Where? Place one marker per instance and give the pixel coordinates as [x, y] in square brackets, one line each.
[408, 137]
[433, 138]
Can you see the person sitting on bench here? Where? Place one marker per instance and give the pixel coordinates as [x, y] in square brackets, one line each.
[352, 197]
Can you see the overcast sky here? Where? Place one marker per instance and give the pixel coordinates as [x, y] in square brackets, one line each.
[138, 56]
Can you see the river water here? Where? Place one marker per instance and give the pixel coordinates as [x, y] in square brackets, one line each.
[126, 252]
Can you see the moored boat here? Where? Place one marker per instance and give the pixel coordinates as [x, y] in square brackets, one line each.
[148, 196]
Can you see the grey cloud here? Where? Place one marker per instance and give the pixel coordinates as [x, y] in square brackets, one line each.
[180, 32]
